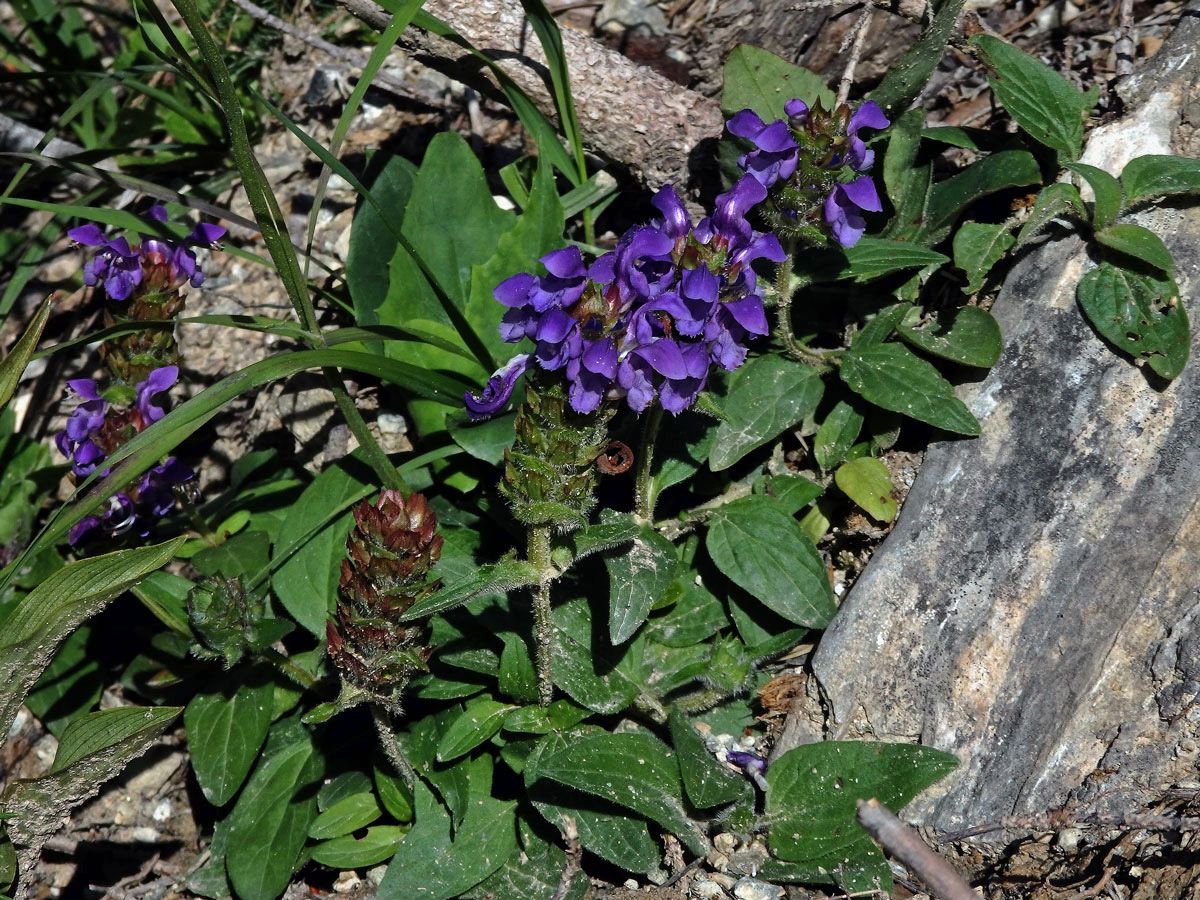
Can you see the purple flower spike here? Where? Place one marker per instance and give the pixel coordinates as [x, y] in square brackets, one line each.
[497, 390]
[676, 221]
[843, 209]
[869, 115]
[777, 154]
[591, 375]
[156, 382]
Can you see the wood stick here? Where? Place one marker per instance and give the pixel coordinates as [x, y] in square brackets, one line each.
[906, 845]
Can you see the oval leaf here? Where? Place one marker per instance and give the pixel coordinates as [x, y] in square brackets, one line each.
[225, 731]
[837, 434]
[1140, 315]
[969, 335]
[636, 578]
[480, 720]
[1154, 176]
[768, 395]
[891, 376]
[1138, 242]
[765, 552]
[347, 815]
[866, 481]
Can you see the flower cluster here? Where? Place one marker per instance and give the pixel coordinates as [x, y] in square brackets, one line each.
[645, 321]
[390, 555]
[820, 158]
[97, 427]
[156, 265]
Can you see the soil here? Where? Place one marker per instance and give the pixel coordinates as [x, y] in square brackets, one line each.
[141, 836]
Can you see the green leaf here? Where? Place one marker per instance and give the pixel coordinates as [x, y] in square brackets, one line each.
[605, 829]
[1054, 200]
[517, 677]
[431, 865]
[486, 440]
[604, 536]
[1155, 176]
[1141, 315]
[271, 818]
[558, 716]
[636, 771]
[225, 729]
[891, 376]
[708, 783]
[394, 794]
[312, 542]
[342, 786]
[70, 685]
[57, 606]
[532, 875]
[1047, 107]
[93, 749]
[587, 672]
[866, 481]
[874, 257]
[1138, 242]
[13, 365]
[908, 184]
[837, 434]
[1107, 190]
[908, 75]
[347, 815]
[967, 335]
[99, 733]
[759, 80]
[1001, 170]
[349, 852]
[767, 396]
[478, 722]
[764, 551]
[636, 578]
[501, 576]
[791, 492]
[978, 247]
[814, 789]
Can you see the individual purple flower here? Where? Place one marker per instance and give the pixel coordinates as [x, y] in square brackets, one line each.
[565, 282]
[156, 382]
[119, 518]
[591, 375]
[797, 112]
[730, 327]
[498, 389]
[75, 440]
[558, 339]
[844, 207]
[676, 223]
[777, 154]
[180, 258]
[747, 762]
[728, 224]
[115, 264]
[676, 373]
[868, 115]
[155, 494]
[642, 266]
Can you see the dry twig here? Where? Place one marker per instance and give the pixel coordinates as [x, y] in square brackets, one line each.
[903, 843]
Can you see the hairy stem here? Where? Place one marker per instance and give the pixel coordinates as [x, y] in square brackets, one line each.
[543, 626]
[391, 746]
[644, 505]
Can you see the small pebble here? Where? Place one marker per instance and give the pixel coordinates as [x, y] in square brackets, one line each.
[753, 889]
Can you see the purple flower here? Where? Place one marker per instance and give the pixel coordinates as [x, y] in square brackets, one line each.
[728, 224]
[676, 222]
[747, 762]
[565, 282]
[180, 258]
[796, 111]
[777, 154]
[75, 440]
[730, 327]
[843, 209]
[155, 491]
[156, 382]
[115, 263]
[869, 115]
[591, 375]
[642, 266]
[119, 518]
[676, 373]
[498, 388]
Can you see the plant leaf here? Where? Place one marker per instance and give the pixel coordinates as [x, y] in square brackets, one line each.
[757, 79]
[708, 783]
[1107, 190]
[874, 257]
[1053, 201]
[13, 365]
[636, 578]
[908, 75]
[57, 606]
[349, 852]
[346, 815]
[478, 722]
[1155, 176]
[891, 376]
[225, 729]
[501, 576]
[767, 396]
[636, 771]
[967, 335]
[978, 247]
[1048, 107]
[837, 434]
[1138, 242]
[1140, 315]
[866, 481]
[764, 551]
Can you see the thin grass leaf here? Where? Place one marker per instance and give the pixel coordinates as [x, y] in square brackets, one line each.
[546, 28]
[13, 365]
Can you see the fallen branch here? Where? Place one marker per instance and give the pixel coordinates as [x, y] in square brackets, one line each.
[906, 845]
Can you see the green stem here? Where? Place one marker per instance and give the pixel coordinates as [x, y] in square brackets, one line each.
[543, 625]
[786, 285]
[377, 459]
[643, 510]
[391, 746]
